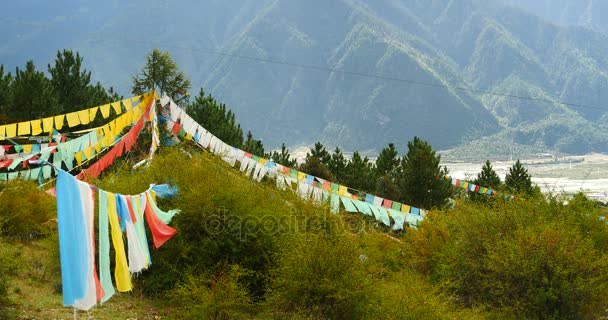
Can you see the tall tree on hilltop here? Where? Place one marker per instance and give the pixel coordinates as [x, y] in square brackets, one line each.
[320, 153]
[386, 166]
[420, 178]
[359, 173]
[337, 165]
[518, 180]
[32, 95]
[216, 118]
[253, 146]
[315, 167]
[161, 71]
[387, 161]
[6, 81]
[71, 82]
[486, 178]
[283, 157]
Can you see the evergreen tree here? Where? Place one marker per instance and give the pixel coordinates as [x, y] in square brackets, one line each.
[253, 146]
[420, 178]
[32, 95]
[337, 165]
[72, 83]
[6, 81]
[283, 157]
[386, 187]
[518, 180]
[359, 173]
[161, 71]
[320, 153]
[488, 177]
[216, 118]
[315, 167]
[387, 161]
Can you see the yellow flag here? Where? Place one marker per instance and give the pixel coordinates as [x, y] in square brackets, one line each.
[72, 118]
[136, 98]
[11, 130]
[23, 128]
[105, 110]
[92, 113]
[78, 157]
[188, 136]
[263, 161]
[2, 132]
[405, 208]
[27, 148]
[121, 270]
[59, 121]
[36, 127]
[301, 176]
[342, 191]
[88, 152]
[98, 146]
[47, 124]
[83, 115]
[127, 104]
[117, 108]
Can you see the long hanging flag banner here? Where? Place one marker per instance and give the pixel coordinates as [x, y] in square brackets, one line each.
[49, 124]
[87, 146]
[308, 186]
[83, 286]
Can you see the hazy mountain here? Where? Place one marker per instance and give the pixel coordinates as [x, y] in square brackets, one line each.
[406, 64]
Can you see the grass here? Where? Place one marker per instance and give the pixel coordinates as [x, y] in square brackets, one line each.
[34, 289]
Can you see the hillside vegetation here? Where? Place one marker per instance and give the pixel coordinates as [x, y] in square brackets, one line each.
[246, 250]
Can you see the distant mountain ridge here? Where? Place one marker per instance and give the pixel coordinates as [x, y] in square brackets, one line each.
[500, 46]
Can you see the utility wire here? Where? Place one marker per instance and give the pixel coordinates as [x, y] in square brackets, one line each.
[355, 73]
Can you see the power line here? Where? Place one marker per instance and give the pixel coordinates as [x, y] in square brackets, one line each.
[363, 74]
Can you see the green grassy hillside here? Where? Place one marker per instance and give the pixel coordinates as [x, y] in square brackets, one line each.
[246, 250]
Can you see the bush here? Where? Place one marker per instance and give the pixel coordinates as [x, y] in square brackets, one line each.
[25, 211]
[535, 259]
[321, 276]
[218, 296]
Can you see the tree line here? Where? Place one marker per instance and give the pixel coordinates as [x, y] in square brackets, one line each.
[30, 93]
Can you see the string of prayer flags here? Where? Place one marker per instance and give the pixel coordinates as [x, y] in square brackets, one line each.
[83, 286]
[73, 119]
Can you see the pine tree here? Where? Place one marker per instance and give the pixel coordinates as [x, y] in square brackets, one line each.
[518, 180]
[253, 146]
[315, 167]
[359, 173]
[420, 177]
[6, 82]
[488, 177]
[387, 161]
[283, 157]
[161, 71]
[216, 118]
[71, 84]
[320, 153]
[337, 165]
[32, 95]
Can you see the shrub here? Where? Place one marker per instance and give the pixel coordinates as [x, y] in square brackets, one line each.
[207, 296]
[321, 276]
[25, 211]
[534, 259]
